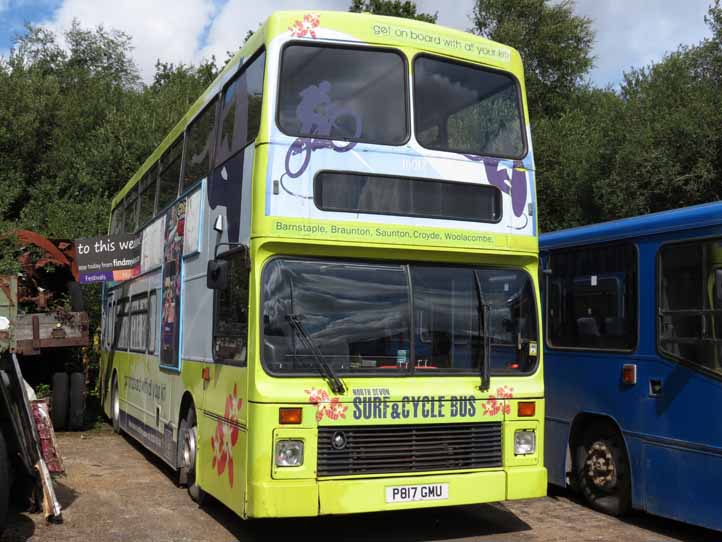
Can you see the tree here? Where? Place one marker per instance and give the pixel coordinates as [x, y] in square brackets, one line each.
[555, 45]
[75, 124]
[670, 151]
[652, 145]
[393, 8]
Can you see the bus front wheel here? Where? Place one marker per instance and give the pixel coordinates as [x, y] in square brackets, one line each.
[601, 470]
[188, 431]
[115, 406]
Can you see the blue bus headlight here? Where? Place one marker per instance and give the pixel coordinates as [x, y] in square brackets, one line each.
[524, 442]
[289, 453]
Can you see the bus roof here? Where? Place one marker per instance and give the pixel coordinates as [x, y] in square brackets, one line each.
[362, 28]
[698, 216]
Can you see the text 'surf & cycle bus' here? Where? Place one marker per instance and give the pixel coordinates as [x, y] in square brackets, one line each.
[633, 323]
[337, 309]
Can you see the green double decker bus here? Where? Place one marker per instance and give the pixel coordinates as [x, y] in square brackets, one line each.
[337, 308]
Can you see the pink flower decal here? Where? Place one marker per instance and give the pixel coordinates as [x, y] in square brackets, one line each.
[329, 407]
[305, 27]
[226, 436]
[495, 403]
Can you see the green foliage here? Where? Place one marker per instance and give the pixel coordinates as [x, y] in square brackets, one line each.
[393, 8]
[9, 250]
[555, 45]
[77, 121]
[75, 124]
[653, 144]
[575, 152]
[42, 391]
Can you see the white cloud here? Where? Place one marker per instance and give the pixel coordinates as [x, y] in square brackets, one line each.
[633, 34]
[454, 14]
[237, 17]
[161, 29]
[629, 33]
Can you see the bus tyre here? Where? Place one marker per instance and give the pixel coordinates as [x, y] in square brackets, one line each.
[115, 405]
[75, 294]
[188, 444]
[601, 470]
[59, 412]
[77, 401]
[4, 482]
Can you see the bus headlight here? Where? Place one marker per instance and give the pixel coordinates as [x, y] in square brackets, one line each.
[524, 442]
[289, 453]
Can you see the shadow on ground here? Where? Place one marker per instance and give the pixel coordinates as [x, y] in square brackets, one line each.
[656, 524]
[399, 526]
[19, 528]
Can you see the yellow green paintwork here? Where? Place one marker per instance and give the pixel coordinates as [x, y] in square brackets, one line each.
[259, 488]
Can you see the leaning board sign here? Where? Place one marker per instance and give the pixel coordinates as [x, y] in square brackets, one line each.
[111, 257]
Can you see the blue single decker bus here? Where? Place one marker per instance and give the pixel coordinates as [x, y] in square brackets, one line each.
[633, 331]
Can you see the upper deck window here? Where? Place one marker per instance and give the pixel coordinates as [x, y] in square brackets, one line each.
[240, 117]
[343, 94]
[467, 109]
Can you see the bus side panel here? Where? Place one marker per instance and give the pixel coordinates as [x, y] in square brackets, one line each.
[684, 485]
[555, 450]
[222, 439]
[682, 467]
[222, 419]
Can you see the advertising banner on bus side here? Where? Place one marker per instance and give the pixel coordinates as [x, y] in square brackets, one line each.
[111, 257]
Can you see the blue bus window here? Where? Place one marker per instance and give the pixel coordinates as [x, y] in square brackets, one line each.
[592, 298]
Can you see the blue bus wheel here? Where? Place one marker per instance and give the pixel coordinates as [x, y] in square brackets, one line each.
[601, 470]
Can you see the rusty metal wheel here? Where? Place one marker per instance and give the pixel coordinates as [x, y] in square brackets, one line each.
[601, 469]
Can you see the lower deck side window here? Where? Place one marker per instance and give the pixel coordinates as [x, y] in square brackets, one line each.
[592, 298]
[689, 302]
[230, 323]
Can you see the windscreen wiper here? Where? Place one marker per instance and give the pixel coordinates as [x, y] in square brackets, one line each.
[324, 368]
[484, 366]
[484, 328]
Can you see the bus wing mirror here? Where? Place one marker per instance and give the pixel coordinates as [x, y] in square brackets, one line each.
[217, 274]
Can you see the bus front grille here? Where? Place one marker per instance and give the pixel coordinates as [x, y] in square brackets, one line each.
[408, 448]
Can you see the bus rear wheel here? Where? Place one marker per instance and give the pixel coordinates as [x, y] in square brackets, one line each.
[601, 470]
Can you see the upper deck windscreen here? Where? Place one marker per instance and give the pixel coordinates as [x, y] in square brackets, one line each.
[467, 109]
[344, 94]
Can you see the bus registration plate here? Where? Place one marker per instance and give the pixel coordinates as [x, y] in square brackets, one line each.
[425, 492]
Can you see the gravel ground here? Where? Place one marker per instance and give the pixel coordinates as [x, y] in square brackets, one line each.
[115, 491]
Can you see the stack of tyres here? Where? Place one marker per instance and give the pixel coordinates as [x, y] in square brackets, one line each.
[68, 401]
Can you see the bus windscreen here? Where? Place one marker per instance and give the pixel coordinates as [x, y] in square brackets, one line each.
[343, 93]
[467, 109]
[359, 318]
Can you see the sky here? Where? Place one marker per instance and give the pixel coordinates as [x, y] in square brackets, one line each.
[629, 33]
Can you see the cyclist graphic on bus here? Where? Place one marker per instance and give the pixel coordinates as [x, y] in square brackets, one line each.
[320, 116]
[513, 184]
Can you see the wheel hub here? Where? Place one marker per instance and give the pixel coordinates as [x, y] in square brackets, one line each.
[116, 405]
[600, 466]
[189, 448]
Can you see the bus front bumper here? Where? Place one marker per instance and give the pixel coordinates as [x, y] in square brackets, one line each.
[296, 498]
